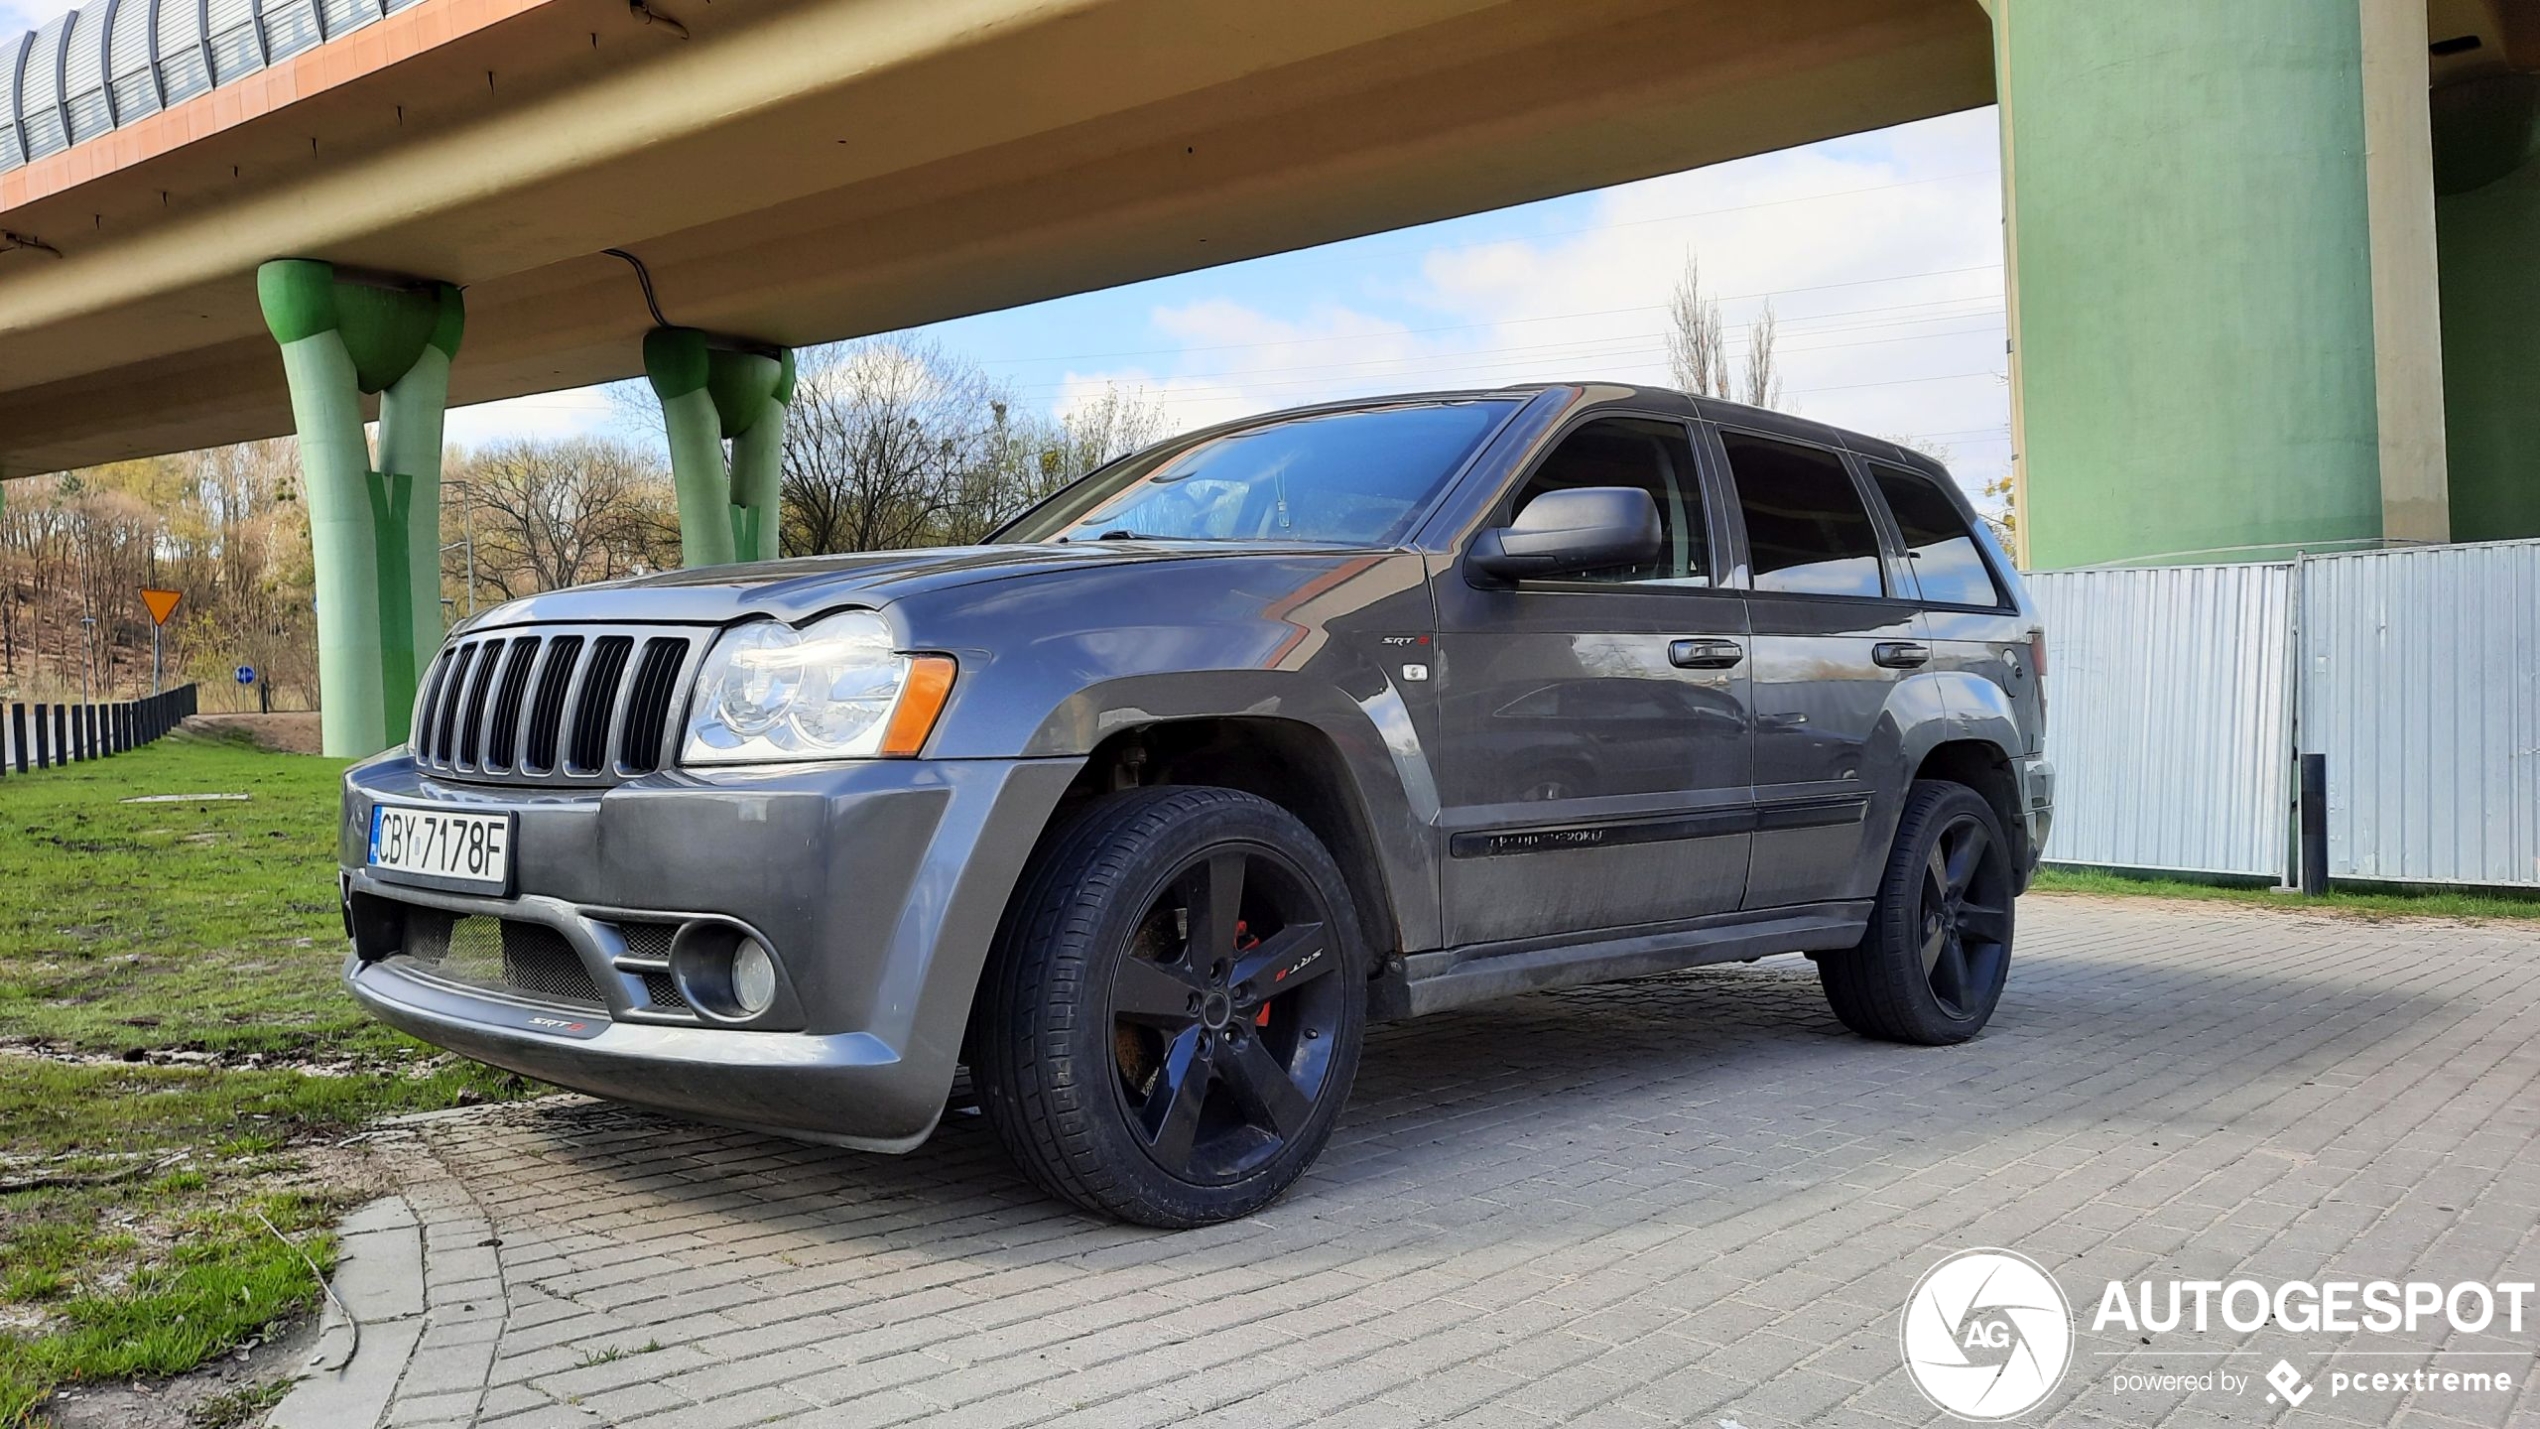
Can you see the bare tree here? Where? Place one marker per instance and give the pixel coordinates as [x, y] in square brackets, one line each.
[2004, 515]
[224, 527]
[1697, 346]
[1696, 351]
[1763, 377]
[1102, 429]
[551, 514]
[892, 443]
[880, 431]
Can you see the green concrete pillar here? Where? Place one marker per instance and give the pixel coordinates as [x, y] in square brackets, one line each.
[411, 413]
[2198, 374]
[375, 532]
[709, 395]
[2487, 152]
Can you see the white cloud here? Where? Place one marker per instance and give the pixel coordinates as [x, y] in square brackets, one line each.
[1238, 360]
[574, 412]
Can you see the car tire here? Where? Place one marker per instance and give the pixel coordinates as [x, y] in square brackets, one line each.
[1129, 1063]
[1931, 966]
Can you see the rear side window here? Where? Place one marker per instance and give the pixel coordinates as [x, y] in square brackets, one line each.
[1807, 532]
[1948, 564]
[1654, 456]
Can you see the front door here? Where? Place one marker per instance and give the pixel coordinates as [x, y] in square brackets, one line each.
[1593, 759]
[1832, 637]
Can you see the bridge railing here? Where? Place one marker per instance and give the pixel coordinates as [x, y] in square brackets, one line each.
[44, 735]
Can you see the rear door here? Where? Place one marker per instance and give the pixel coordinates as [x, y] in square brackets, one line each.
[1833, 630]
[1593, 761]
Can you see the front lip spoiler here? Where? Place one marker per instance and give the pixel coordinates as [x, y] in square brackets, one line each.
[785, 1083]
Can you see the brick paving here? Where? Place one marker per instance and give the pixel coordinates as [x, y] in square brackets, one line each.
[1689, 1200]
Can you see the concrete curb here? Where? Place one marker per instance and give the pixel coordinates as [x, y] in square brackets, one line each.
[419, 1274]
[354, 1369]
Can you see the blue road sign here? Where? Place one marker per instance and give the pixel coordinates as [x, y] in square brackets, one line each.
[246, 674]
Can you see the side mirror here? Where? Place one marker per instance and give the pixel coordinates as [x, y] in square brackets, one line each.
[1562, 533]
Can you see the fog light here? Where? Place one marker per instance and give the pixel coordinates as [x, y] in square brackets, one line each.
[753, 978]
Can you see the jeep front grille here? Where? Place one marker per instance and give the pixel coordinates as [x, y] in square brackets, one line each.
[543, 704]
[500, 954]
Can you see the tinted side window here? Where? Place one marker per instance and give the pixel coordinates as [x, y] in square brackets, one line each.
[1806, 530]
[1654, 456]
[1947, 562]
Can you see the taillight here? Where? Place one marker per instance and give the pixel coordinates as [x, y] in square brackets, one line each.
[2037, 652]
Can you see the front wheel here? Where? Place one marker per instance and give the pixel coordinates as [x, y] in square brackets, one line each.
[1172, 1018]
[1931, 966]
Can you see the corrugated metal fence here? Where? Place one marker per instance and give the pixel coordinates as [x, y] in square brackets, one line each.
[2169, 695]
[2421, 683]
[2181, 696]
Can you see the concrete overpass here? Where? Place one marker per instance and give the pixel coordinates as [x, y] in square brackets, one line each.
[2228, 307]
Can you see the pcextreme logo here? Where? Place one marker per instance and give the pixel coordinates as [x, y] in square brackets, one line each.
[1987, 1334]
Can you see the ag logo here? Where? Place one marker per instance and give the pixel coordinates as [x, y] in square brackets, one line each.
[1987, 1334]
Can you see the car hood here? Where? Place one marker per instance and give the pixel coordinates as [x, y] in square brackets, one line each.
[810, 585]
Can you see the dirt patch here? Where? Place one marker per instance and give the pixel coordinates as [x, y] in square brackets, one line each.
[236, 1387]
[2274, 905]
[233, 1389]
[281, 733]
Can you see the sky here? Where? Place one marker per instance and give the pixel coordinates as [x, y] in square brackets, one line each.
[1880, 253]
[16, 15]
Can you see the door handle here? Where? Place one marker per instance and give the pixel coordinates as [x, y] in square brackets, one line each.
[1899, 654]
[1704, 654]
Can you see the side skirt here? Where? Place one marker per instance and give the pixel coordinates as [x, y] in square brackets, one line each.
[1458, 977]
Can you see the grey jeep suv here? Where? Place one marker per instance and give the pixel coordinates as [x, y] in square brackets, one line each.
[1143, 808]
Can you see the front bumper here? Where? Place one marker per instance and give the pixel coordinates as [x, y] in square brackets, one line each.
[877, 886]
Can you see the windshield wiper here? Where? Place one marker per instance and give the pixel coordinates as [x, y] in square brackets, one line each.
[1123, 533]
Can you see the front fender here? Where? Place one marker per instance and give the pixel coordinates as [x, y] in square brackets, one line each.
[1366, 720]
[1052, 665]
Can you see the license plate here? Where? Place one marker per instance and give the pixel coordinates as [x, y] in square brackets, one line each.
[442, 848]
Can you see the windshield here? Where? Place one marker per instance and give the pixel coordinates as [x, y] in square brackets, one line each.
[1355, 478]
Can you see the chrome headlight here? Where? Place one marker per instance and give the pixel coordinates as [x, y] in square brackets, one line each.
[834, 689]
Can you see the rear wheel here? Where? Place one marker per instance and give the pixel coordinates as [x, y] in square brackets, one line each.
[1932, 964]
[1172, 1018]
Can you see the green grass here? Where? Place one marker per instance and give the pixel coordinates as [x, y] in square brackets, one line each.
[208, 926]
[2378, 901]
[132, 929]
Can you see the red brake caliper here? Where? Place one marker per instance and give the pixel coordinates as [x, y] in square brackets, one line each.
[1245, 942]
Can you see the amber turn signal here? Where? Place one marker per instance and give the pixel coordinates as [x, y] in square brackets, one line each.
[930, 682]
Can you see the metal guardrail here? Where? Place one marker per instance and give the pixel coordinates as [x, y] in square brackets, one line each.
[47, 735]
[111, 62]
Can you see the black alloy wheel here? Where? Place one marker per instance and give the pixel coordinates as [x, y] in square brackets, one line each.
[1170, 1023]
[1225, 1014]
[1966, 915]
[1931, 966]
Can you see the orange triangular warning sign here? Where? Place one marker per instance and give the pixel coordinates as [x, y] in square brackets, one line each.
[162, 604]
